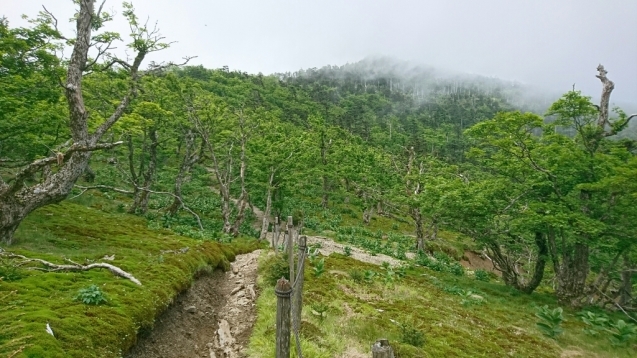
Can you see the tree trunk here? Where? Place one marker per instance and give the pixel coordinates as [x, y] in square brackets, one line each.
[420, 235]
[570, 264]
[225, 208]
[17, 199]
[510, 271]
[243, 199]
[268, 207]
[142, 195]
[189, 159]
[325, 146]
[626, 289]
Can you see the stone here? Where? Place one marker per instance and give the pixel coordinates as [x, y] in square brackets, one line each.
[236, 289]
[191, 309]
[225, 337]
[253, 294]
[235, 270]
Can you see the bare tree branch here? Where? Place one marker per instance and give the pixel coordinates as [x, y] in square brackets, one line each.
[55, 24]
[75, 266]
[59, 158]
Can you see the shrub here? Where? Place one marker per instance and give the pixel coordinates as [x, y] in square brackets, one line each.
[622, 332]
[276, 268]
[482, 275]
[357, 276]
[319, 268]
[594, 322]
[369, 276]
[347, 251]
[9, 272]
[411, 335]
[456, 269]
[320, 310]
[91, 295]
[550, 321]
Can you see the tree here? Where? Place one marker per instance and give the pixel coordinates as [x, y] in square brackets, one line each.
[557, 203]
[19, 195]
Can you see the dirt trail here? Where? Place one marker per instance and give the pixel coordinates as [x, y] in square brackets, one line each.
[213, 319]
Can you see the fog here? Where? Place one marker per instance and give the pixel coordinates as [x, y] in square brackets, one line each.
[552, 44]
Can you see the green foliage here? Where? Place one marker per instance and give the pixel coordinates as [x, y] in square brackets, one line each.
[356, 275]
[411, 335]
[551, 321]
[622, 332]
[456, 269]
[482, 275]
[53, 233]
[319, 268]
[91, 295]
[275, 268]
[319, 310]
[368, 276]
[10, 272]
[347, 251]
[595, 322]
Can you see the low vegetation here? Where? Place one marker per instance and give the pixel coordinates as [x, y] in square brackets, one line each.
[93, 313]
[431, 313]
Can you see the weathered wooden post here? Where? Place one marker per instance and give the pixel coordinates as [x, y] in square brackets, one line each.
[290, 248]
[275, 235]
[283, 290]
[381, 349]
[297, 293]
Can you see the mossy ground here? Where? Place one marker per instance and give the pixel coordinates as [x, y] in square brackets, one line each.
[29, 299]
[502, 324]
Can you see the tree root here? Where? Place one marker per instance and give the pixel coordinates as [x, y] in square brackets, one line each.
[73, 266]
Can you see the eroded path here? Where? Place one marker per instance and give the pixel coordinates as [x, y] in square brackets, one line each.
[213, 319]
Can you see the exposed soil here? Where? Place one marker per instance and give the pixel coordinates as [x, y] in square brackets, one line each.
[213, 319]
[474, 261]
[328, 246]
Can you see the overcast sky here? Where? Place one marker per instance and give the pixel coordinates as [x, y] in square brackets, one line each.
[551, 43]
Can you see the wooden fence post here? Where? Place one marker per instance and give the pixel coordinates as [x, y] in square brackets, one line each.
[381, 349]
[291, 248]
[275, 235]
[283, 290]
[297, 294]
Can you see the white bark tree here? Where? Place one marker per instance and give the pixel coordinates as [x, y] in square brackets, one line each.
[18, 197]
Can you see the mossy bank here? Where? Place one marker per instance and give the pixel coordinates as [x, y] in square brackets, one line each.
[165, 263]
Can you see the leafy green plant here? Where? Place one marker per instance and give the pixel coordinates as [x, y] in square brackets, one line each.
[411, 335]
[369, 276]
[594, 322]
[347, 251]
[551, 321]
[319, 310]
[91, 295]
[401, 271]
[456, 269]
[471, 298]
[319, 268]
[9, 272]
[482, 275]
[356, 275]
[622, 332]
[276, 268]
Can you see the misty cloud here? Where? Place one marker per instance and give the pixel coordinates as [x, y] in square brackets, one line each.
[547, 43]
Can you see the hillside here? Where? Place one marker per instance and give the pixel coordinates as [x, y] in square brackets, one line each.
[168, 171]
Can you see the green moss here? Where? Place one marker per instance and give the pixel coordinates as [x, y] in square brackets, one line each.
[83, 234]
[359, 313]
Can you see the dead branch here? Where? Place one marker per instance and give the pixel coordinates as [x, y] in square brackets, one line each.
[618, 305]
[74, 266]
